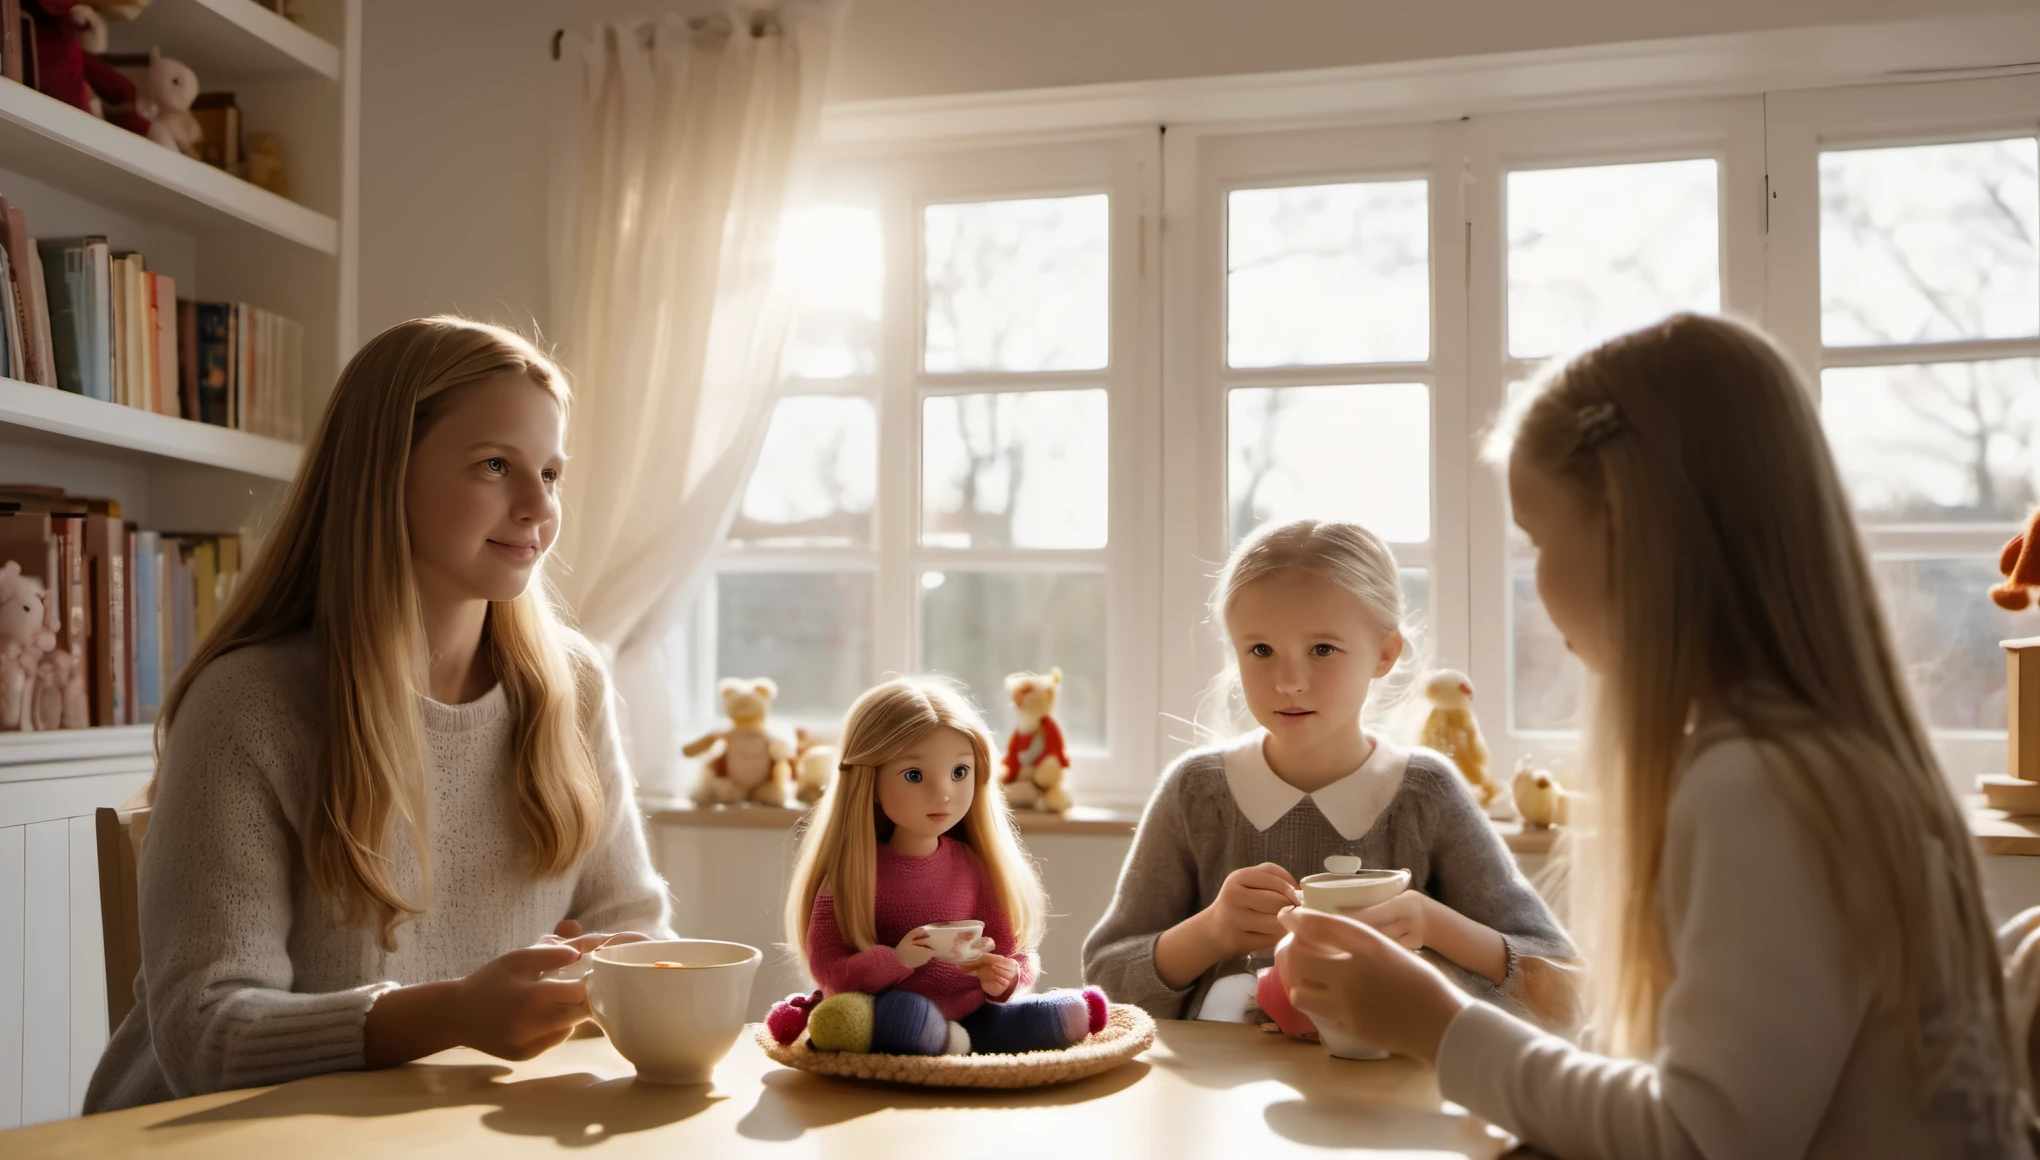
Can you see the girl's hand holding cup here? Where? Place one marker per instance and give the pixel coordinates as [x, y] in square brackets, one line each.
[995, 973]
[1346, 974]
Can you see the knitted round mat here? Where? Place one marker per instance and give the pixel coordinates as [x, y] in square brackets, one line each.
[1128, 1032]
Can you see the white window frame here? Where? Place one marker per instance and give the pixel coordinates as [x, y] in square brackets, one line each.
[900, 183]
[1799, 126]
[1204, 165]
[1731, 131]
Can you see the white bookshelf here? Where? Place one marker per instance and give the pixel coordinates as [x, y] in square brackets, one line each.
[76, 425]
[222, 239]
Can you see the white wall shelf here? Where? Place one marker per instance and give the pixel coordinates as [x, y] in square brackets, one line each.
[103, 163]
[29, 412]
[226, 40]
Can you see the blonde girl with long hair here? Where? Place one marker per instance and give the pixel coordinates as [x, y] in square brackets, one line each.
[1314, 617]
[1787, 937]
[911, 839]
[390, 792]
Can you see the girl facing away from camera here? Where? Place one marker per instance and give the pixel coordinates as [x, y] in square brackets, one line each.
[1313, 611]
[391, 793]
[1790, 952]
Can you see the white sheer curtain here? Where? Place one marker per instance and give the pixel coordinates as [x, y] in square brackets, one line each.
[680, 145]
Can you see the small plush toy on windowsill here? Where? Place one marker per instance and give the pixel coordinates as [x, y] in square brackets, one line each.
[913, 904]
[1452, 730]
[754, 764]
[1036, 764]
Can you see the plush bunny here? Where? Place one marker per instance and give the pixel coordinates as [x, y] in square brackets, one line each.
[166, 98]
[24, 639]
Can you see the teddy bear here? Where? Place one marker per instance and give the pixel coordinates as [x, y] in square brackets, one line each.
[24, 638]
[1451, 730]
[814, 764]
[67, 70]
[1036, 763]
[754, 764]
[167, 93]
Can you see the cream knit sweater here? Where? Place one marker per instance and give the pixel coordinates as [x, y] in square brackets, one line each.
[247, 977]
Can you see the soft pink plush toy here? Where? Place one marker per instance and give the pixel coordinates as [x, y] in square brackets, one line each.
[24, 639]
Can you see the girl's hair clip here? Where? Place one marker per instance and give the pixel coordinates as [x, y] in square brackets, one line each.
[1597, 423]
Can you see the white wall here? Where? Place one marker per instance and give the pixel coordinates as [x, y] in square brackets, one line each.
[453, 183]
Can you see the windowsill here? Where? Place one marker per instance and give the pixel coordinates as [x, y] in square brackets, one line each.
[1080, 820]
[1998, 832]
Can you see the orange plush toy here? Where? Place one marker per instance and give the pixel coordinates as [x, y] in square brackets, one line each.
[2021, 566]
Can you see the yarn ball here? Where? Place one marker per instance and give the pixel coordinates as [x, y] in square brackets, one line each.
[789, 1017]
[841, 1023]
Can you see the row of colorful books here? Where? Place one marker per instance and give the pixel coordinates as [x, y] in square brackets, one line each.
[124, 607]
[83, 317]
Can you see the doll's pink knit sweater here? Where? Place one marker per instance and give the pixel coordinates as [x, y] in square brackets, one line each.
[946, 886]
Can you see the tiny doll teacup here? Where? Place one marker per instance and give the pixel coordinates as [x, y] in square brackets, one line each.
[1334, 893]
[959, 941]
[673, 1007]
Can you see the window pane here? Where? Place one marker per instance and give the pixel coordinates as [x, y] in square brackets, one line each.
[1416, 594]
[1351, 453]
[1947, 632]
[1328, 274]
[815, 477]
[1548, 684]
[979, 626]
[1930, 242]
[1015, 470]
[810, 632]
[832, 254]
[1018, 285]
[1942, 443]
[1597, 251]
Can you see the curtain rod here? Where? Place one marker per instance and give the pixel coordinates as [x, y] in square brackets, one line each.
[763, 23]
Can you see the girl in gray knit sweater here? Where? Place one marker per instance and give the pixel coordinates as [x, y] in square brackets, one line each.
[1313, 611]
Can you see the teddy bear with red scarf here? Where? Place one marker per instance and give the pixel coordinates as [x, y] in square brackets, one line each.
[1036, 763]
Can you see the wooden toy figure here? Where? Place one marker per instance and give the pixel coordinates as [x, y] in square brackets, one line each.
[912, 902]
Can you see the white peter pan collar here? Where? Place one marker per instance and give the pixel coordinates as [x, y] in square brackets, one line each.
[1351, 803]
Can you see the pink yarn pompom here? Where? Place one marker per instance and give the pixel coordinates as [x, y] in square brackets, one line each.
[1094, 1000]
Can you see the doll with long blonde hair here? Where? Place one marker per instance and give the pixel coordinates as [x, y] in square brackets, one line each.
[390, 791]
[906, 854]
[1789, 949]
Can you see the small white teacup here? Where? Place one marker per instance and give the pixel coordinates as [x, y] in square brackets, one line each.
[1337, 893]
[960, 941]
[674, 1023]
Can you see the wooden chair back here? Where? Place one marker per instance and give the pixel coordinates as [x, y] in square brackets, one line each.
[119, 833]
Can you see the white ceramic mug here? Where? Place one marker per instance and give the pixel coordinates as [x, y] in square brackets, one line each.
[1337, 893]
[674, 1024]
[958, 942]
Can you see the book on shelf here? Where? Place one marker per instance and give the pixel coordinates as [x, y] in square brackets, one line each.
[77, 315]
[11, 40]
[126, 606]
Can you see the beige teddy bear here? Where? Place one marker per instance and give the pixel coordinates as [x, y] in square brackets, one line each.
[1452, 730]
[1036, 763]
[754, 764]
[814, 766]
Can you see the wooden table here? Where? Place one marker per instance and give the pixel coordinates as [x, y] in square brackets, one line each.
[1204, 1089]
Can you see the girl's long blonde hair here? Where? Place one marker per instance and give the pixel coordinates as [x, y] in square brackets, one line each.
[1743, 595]
[338, 564]
[839, 845]
[1347, 555]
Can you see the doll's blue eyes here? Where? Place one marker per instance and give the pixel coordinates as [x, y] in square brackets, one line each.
[913, 776]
